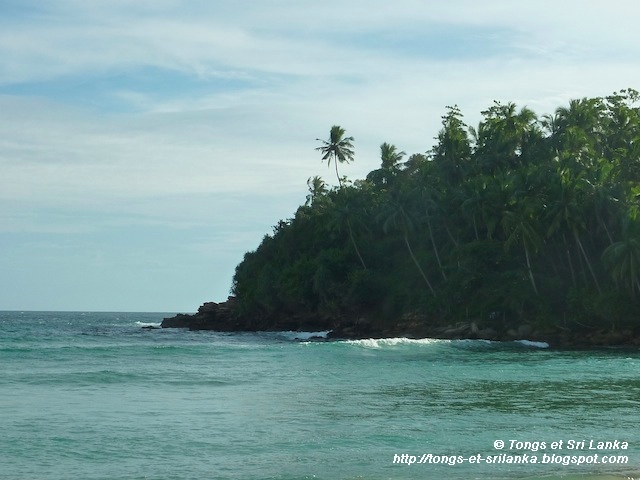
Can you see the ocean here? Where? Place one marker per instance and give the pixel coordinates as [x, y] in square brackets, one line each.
[96, 396]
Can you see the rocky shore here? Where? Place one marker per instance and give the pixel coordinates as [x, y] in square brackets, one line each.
[223, 317]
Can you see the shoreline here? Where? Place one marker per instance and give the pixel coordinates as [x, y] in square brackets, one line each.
[224, 318]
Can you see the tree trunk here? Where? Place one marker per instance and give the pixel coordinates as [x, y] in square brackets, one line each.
[475, 227]
[573, 273]
[433, 243]
[455, 242]
[335, 163]
[604, 225]
[526, 253]
[355, 246]
[586, 258]
[413, 257]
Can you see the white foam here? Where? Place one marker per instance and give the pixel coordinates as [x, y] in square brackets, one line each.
[390, 342]
[291, 335]
[530, 343]
[147, 324]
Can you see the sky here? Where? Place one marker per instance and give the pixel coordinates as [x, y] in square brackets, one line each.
[146, 145]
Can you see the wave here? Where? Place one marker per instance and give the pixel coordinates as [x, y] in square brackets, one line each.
[530, 343]
[462, 343]
[303, 336]
[149, 324]
[391, 342]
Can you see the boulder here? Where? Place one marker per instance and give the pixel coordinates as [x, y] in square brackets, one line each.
[524, 331]
[210, 316]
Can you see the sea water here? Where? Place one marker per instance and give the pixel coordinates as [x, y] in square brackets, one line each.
[96, 396]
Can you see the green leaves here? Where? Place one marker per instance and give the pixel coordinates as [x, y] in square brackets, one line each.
[523, 216]
[338, 148]
[622, 258]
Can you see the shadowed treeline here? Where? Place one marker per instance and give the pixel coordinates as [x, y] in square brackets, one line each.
[520, 219]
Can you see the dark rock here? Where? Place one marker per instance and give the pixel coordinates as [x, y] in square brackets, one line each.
[210, 316]
[524, 331]
[512, 334]
[488, 334]
[224, 317]
[209, 307]
[179, 321]
[474, 329]
[456, 331]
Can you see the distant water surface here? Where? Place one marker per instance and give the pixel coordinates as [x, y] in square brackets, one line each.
[96, 396]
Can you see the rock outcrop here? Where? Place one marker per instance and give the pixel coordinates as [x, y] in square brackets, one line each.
[210, 316]
[223, 317]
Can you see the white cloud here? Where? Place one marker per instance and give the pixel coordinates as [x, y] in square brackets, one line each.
[218, 136]
[205, 38]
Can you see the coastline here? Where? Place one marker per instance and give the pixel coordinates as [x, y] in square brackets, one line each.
[224, 317]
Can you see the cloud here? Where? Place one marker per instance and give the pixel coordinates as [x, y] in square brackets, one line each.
[195, 122]
[329, 39]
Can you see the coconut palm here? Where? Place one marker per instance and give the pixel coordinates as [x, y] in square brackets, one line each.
[567, 213]
[579, 132]
[395, 217]
[317, 188]
[345, 214]
[452, 153]
[428, 197]
[504, 136]
[622, 259]
[518, 224]
[338, 148]
[390, 156]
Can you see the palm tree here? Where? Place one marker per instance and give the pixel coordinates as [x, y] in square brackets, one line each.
[567, 212]
[621, 134]
[579, 132]
[390, 156]
[396, 217]
[623, 260]
[338, 148]
[317, 188]
[504, 136]
[452, 154]
[427, 196]
[485, 200]
[344, 214]
[518, 225]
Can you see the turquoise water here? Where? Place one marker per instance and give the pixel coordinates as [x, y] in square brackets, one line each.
[95, 396]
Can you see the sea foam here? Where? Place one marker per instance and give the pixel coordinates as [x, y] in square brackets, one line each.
[529, 343]
[303, 336]
[148, 324]
[390, 342]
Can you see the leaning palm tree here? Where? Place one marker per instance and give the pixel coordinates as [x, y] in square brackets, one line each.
[338, 148]
[518, 224]
[395, 217]
[622, 259]
[344, 213]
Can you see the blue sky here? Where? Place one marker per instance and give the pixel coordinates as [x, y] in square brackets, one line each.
[146, 145]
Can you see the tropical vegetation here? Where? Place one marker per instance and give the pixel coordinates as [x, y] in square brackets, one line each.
[522, 218]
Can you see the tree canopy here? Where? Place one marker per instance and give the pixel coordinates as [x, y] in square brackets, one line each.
[523, 218]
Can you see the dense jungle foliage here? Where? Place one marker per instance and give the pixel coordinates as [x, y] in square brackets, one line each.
[523, 218]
